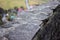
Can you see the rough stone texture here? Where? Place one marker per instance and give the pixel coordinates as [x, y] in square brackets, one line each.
[23, 32]
[26, 24]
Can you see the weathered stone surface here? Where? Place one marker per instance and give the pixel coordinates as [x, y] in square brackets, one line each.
[24, 32]
[26, 24]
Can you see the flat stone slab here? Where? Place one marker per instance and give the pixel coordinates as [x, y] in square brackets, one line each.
[24, 32]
